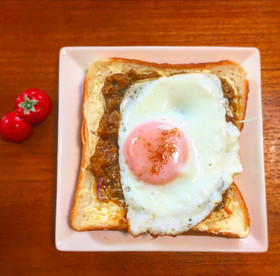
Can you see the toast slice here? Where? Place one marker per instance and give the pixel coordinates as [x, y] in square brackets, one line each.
[89, 213]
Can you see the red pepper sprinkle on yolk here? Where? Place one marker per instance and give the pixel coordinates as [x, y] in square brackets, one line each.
[155, 152]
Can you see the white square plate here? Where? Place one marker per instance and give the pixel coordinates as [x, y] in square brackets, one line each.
[73, 65]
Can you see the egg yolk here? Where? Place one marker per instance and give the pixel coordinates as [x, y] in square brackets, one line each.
[155, 152]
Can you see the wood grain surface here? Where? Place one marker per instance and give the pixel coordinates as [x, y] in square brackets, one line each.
[31, 35]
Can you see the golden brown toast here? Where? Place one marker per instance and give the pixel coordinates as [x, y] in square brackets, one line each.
[89, 213]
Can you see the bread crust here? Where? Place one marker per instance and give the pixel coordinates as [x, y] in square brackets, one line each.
[207, 227]
[85, 195]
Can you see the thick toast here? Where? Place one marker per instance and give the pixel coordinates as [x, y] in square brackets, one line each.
[88, 213]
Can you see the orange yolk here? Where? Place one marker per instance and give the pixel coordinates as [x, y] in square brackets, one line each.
[155, 152]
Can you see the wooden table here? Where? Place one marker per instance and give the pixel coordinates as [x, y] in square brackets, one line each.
[31, 34]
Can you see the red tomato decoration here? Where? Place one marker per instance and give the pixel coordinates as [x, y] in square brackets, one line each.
[14, 128]
[33, 105]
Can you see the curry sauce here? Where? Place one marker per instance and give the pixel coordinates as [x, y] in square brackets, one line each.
[104, 163]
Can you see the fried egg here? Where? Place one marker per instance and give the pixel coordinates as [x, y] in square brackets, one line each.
[177, 153]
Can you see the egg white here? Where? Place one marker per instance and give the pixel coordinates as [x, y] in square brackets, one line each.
[194, 103]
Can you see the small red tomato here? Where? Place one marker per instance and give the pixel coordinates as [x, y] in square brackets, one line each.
[33, 105]
[14, 128]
